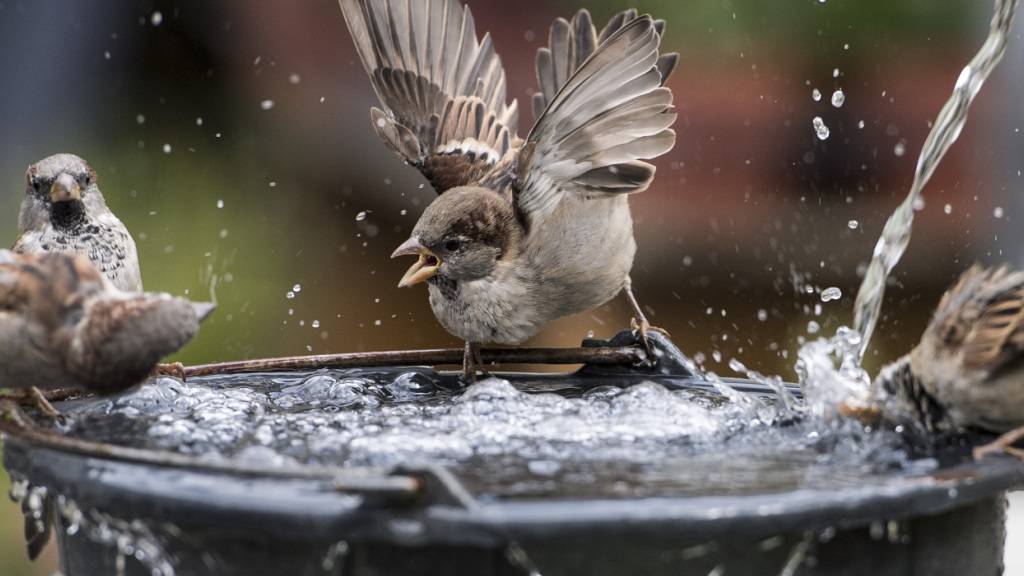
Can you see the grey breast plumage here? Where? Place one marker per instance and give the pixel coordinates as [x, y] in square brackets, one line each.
[601, 109]
[968, 369]
[86, 226]
[63, 324]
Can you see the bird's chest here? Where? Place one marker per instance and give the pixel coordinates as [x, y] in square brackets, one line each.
[582, 254]
[105, 247]
[492, 310]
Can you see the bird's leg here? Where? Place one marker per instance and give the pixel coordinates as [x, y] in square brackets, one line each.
[639, 322]
[1002, 444]
[468, 360]
[174, 369]
[479, 361]
[44, 406]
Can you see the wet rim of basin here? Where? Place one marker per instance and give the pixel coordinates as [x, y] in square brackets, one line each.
[329, 501]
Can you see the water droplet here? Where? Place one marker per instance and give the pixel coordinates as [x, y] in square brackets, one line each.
[297, 288]
[918, 204]
[831, 293]
[294, 79]
[813, 327]
[220, 203]
[157, 18]
[900, 149]
[838, 98]
[816, 94]
[835, 72]
[820, 129]
[267, 104]
[223, 234]
[199, 121]
[762, 315]
[167, 148]
[852, 224]
[717, 356]
[315, 324]
[362, 215]
[376, 322]
[403, 211]
[140, 119]
[948, 208]
[290, 295]
[860, 125]
[998, 212]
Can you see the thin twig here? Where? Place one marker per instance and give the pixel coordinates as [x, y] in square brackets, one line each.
[627, 355]
[17, 425]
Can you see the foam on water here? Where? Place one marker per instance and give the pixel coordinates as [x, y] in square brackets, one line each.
[533, 439]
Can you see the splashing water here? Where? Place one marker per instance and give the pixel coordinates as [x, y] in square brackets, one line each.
[131, 539]
[944, 133]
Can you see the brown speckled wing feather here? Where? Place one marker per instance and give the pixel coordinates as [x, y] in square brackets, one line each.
[997, 336]
[443, 91]
[983, 316]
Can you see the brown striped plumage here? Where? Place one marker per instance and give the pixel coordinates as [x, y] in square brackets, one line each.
[968, 369]
[63, 324]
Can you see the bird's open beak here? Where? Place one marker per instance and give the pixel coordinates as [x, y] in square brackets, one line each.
[65, 189]
[425, 267]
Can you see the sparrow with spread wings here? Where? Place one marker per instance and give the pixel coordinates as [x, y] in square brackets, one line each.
[523, 231]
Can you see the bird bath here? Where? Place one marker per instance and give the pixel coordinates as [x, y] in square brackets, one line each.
[607, 470]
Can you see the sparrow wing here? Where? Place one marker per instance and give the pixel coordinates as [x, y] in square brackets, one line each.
[569, 46]
[611, 113]
[997, 337]
[982, 318]
[442, 90]
[122, 337]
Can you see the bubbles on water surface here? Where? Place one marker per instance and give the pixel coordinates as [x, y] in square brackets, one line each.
[641, 438]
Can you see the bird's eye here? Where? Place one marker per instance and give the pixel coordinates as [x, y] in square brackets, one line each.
[35, 184]
[452, 244]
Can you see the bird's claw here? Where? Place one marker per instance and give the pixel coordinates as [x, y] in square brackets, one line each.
[43, 405]
[1002, 445]
[642, 328]
[174, 370]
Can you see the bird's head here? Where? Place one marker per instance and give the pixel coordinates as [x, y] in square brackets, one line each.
[461, 236]
[60, 189]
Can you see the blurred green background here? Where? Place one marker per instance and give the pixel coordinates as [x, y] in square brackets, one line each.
[233, 138]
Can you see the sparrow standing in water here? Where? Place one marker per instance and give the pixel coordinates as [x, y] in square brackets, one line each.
[64, 211]
[64, 325]
[523, 231]
[968, 369]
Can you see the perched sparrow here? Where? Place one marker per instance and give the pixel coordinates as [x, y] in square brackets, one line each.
[523, 232]
[63, 324]
[968, 369]
[64, 211]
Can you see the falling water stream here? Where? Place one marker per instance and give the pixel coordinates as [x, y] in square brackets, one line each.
[825, 383]
[944, 133]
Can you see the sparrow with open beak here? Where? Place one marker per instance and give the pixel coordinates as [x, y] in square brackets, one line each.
[968, 369]
[65, 325]
[524, 231]
[64, 211]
